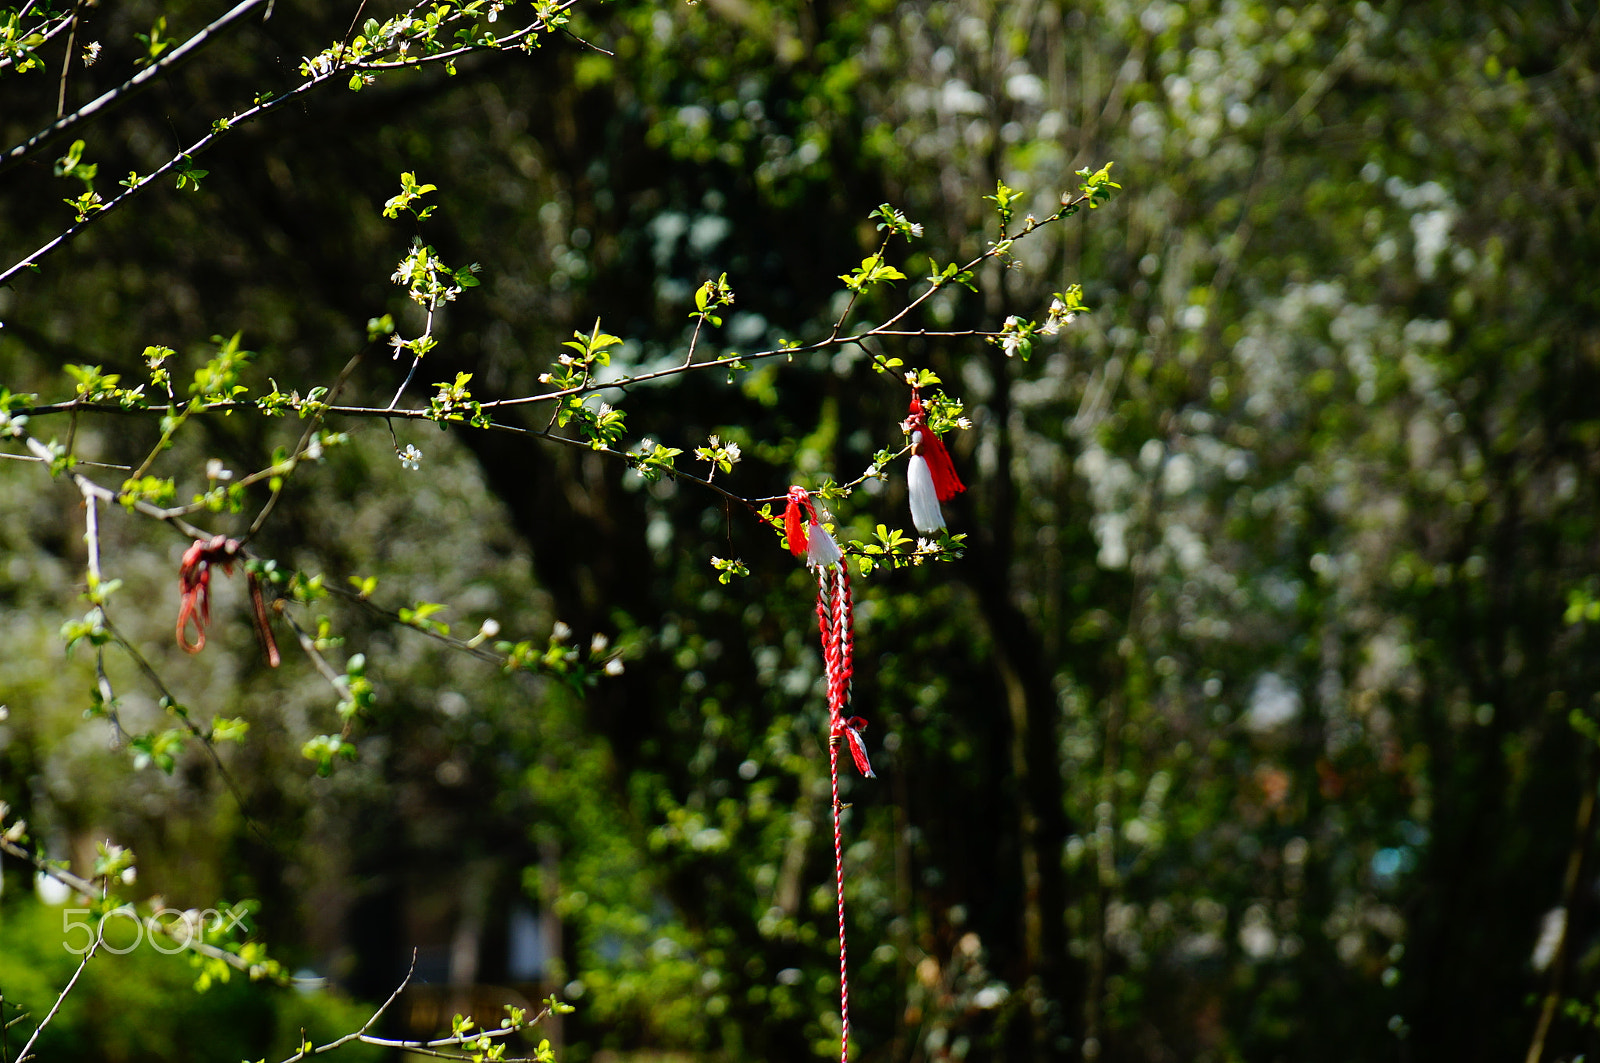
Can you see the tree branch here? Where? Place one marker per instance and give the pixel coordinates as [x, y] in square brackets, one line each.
[36, 142]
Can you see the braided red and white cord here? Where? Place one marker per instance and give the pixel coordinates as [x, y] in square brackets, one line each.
[808, 539]
[835, 621]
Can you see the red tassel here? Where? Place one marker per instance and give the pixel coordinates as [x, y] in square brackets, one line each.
[858, 747]
[946, 484]
[793, 523]
[945, 481]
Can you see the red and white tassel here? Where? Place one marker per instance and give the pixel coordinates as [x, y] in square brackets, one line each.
[852, 730]
[930, 474]
[805, 535]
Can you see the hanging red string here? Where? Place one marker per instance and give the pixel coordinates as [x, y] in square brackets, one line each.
[194, 594]
[836, 625]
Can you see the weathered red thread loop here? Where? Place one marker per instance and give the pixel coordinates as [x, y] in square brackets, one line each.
[194, 590]
[194, 594]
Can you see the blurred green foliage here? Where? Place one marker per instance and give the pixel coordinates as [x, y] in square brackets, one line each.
[142, 1006]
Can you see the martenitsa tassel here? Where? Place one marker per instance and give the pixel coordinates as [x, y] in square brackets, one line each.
[930, 474]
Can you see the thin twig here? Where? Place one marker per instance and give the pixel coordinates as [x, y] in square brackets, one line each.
[587, 387]
[91, 536]
[63, 22]
[401, 390]
[347, 1038]
[86, 888]
[264, 107]
[1576, 857]
[424, 1048]
[107, 695]
[300, 448]
[178, 54]
[66, 60]
[355, 20]
[319, 662]
[80, 461]
[177, 709]
[76, 883]
[37, 1030]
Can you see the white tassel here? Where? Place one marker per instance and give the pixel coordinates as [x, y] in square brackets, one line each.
[925, 511]
[821, 550]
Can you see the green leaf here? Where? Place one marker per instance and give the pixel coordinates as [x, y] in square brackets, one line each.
[229, 730]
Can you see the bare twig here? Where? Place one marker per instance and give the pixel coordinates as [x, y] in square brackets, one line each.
[83, 887]
[263, 106]
[299, 449]
[417, 1047]
[91, 536]
[175, 707]
[359, 1034]
[149, 73]
[1577, 856]
[318, 661]
[37, 1030]
[90, 464]
[76, 883]
[66, 60]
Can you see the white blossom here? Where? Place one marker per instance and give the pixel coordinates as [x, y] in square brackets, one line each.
[1059, 315]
